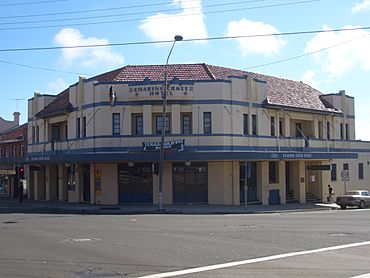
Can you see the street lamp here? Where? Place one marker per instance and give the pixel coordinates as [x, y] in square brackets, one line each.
[163, 134]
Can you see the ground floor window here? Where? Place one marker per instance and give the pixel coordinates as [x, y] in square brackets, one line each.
[135, 183]
[190, 183]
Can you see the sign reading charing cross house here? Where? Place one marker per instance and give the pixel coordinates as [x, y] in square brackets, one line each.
[157, 90]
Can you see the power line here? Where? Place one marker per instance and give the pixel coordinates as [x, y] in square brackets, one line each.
[306, 54]
[161, 17]
[102, 9]
[185, 40]
[140, 13]
[31, 3]
[248, 68]
[41, 68]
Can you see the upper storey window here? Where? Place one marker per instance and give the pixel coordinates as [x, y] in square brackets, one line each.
[137, 124]
[158, 121]
[207, 122]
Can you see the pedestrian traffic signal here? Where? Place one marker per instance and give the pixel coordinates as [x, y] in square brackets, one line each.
[21, 173]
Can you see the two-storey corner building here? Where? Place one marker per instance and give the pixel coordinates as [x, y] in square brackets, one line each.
[13, 151]
[231, 136]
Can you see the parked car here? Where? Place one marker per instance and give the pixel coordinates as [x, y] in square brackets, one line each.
[356, 198]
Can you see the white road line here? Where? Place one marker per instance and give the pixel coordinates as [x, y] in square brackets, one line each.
[251, 261]
[367, 275]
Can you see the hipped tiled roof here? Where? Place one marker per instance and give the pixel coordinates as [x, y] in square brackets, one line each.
[59, 105]
[280, 92]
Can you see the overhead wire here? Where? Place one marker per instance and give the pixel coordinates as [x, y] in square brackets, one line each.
[32, 3]
[160, 17]
[248, 68]
[306, 54]
[42, 68]
[106, 9]
[185, 40]
[144, 12]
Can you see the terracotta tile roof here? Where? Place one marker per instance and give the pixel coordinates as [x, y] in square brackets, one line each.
[280, 92]
[156, 73]
[293, 94]
[16, 133]
[59, 105]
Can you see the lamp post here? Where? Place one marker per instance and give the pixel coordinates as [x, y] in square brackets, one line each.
[163, 134]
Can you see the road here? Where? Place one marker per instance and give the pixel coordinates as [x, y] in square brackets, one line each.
[47, 244]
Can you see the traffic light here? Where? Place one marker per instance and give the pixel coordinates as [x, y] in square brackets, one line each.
[21, 173]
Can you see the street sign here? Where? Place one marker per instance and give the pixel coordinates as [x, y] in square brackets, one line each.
[319, 167]
[344, 175]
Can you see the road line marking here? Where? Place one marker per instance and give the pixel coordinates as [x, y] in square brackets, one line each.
[251, 261]
[367, 275]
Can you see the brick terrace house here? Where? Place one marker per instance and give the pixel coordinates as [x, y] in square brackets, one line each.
[13, 151]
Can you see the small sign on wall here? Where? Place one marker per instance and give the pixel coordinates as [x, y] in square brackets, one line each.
[98, 189]
[312, 178]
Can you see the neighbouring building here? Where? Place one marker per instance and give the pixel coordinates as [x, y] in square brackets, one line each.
[13, 151]
[7, 125]
[231, 136]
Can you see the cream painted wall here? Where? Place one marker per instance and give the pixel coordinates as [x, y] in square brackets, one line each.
[220, 183]
[109, 184]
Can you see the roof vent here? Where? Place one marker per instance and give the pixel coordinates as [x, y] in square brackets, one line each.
[342, 92]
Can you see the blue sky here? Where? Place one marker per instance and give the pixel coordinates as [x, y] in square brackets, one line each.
[345, 64]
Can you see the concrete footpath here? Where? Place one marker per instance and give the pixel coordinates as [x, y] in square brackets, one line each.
[81, 208]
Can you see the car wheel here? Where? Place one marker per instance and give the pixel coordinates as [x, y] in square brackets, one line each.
[343, 207]
[361, 205]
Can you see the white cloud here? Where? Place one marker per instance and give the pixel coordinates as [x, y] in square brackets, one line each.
[189, 23]
[346, 50]
[57, 86]
[267, 46]
[361, 6]
[86, 57]
[308, 78]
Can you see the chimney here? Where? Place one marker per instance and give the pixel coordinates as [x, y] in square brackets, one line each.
[16, 118]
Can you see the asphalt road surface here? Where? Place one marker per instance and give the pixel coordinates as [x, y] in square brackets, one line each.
[294, 244]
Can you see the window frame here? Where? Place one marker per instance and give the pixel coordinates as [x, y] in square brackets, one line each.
[78, 127]
[158, 124]
[333, 172]
[207, 122]
[116, 124]
[138, 125]
[246, 124]
[84, 127]
[360, 171]
[254, 125]
[272, 126]
[189, 126]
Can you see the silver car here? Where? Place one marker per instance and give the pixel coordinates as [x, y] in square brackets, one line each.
[356, 198]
